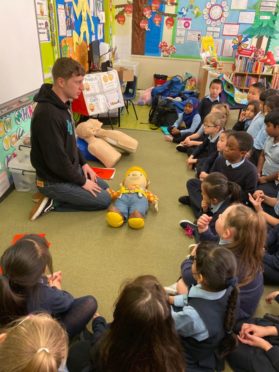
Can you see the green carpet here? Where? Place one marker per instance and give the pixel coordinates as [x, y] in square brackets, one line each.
[94, 258]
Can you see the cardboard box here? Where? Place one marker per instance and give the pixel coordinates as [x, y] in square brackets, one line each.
[125, 74]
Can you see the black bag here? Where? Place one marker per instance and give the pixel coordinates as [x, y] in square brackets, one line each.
[163, 113]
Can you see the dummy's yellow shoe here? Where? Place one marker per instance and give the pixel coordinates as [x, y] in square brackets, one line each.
[114, 219]
[136, 222]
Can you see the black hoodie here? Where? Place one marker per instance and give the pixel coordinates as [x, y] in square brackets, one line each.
[54, 153]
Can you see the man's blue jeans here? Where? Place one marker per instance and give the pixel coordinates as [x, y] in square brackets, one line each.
[70, 197]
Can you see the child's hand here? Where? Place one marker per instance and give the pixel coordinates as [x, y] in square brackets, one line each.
[252, 340]
[271, 296]
[258, 193]
[203, 223]
[262, 179]
[204, 205]
[242, 116]
[203, 175]
[55, 280]
[186, 142]
[257, 203]
[175, 131]
[192, 160]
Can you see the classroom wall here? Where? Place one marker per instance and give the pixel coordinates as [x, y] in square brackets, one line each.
[147, 66]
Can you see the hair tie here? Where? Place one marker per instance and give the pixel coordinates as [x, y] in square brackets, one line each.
[232, 282]
[43, 349]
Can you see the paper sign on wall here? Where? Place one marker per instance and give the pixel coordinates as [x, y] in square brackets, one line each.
[227, 48]
[194, 35]
[246, 17]
[239, 4]
[230, 29]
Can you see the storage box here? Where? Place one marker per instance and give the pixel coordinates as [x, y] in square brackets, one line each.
[125, 74]
[24, 175]
[128, 65]
[23, 148]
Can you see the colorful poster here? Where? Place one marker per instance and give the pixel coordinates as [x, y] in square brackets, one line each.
[62, 20]
[43, 30]
[42, 8]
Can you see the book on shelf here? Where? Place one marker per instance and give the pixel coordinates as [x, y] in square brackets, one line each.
[104, 173]
[275, 81]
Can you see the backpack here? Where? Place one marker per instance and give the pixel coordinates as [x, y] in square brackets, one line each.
[163, 114]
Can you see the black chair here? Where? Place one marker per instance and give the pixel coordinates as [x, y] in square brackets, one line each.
[130, 94]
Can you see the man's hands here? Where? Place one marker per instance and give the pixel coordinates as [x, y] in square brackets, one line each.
[91, 178]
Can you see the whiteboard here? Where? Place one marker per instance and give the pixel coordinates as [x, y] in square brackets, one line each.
[20, 59]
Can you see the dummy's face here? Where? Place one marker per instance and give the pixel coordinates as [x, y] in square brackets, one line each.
[221, 144]
[135, 178]
[188, 108]
[72, 87]
[253, 94]
[249, 112]
[215, 90]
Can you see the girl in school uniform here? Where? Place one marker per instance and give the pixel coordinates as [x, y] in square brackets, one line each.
[242, 231]
[188, 122]
[26, 288]
[205, 316]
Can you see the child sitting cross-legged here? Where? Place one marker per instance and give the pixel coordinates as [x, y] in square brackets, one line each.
[213, 127]
[233, 164]
[205, 316]
[188, 122]
[196, 139]
[218, 193]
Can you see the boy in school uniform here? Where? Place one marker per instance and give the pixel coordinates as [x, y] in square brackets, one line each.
[268, 164]
[215, 89]
[234, 165]
[213, 127]
[269, 103]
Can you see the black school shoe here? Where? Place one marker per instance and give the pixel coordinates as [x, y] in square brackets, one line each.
[181, 148]
[185, 200]
[190, 229]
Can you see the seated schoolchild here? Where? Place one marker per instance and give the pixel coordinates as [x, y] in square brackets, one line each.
[196, 139]
[26, 288]
[187, 123]
[213, 98]
[247, 116]
[205, 316]
[141, 336]
[33, 344]
[268, 163]
[217, 194]
[258, 348]
[268, 104]
[233, 164]
[243, 231]
[271, 256]
[213, 127]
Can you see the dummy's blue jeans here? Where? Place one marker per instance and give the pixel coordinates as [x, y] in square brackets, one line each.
[128, 203]
[69, 197]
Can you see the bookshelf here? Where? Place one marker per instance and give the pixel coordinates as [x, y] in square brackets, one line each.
[249, 71]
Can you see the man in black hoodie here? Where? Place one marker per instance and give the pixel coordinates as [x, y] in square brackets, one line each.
[64, 178]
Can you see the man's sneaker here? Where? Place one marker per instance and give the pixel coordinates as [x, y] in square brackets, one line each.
[189, 228]
[43, 206]
[185, 200]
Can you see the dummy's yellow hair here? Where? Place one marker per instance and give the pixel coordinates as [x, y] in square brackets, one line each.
[136, 168]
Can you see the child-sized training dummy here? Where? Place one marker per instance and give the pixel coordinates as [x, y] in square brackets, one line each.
[100, 140]
[132, 200]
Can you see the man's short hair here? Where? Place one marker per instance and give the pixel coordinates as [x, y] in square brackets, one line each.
[273, 118]
[245, 140]
[216, 81]
[66, 68]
